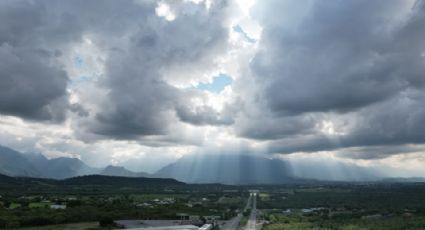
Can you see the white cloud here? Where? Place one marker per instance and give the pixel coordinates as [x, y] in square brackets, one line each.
[163, 10]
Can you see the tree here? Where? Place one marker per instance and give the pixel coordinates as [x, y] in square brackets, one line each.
[106, 221]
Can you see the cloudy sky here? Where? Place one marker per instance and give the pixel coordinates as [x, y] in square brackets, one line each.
[141, 83]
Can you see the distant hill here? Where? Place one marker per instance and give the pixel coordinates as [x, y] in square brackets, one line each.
[333, 170]
[121, 171]
[63, 167]
[13, 163]
[92, 180]
[59, 168]
[119, 181]
[7, 181]
[228, 169]
[404, 180]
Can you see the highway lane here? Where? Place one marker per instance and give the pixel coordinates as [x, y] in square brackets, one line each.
[233, 223]
[252, 221]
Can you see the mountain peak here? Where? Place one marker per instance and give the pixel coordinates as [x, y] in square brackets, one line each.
[228, 169]
[14, 163]
[113, 170]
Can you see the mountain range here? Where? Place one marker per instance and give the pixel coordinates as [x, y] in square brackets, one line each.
[228, 169]
[14, 163]
[209, 168]
[193, 168]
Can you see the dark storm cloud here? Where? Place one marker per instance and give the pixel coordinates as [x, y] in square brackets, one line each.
[377, 152]
[138, 45]
[34, 35]
[204, 115]
[79, 109]
[141, 102]
[32, 84]
[30, 87]
[271, 128]
[337, 55]
[393, 124]
[360, 62]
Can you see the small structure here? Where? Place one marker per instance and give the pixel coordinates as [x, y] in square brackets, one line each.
[287, 211]
[311, 210]
[174, 227]
[372, 217]
[57, 206]
[407, 215]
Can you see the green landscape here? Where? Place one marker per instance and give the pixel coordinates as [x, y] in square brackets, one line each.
[212, 114]
[82, 203]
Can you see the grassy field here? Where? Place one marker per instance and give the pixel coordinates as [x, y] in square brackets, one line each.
[264, 196]
[280, 221]
[243, 223]
[38, 205]
[14, 205]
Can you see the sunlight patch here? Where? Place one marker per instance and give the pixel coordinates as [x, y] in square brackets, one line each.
[238, 29]
[163, 10]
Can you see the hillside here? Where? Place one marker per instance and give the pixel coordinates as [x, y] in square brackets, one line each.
[121, 171]
[89, 181]
[7, 181]
[119, 181]
[13, 163]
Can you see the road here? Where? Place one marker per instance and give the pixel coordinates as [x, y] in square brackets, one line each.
[233, 223]
[252, 221]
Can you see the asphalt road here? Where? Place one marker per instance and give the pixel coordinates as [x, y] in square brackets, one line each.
[252, 221]
[233, 223]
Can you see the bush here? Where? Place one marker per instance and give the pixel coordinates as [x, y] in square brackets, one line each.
[13, 224]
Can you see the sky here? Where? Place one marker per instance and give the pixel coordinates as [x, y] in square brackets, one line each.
[141, 83]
